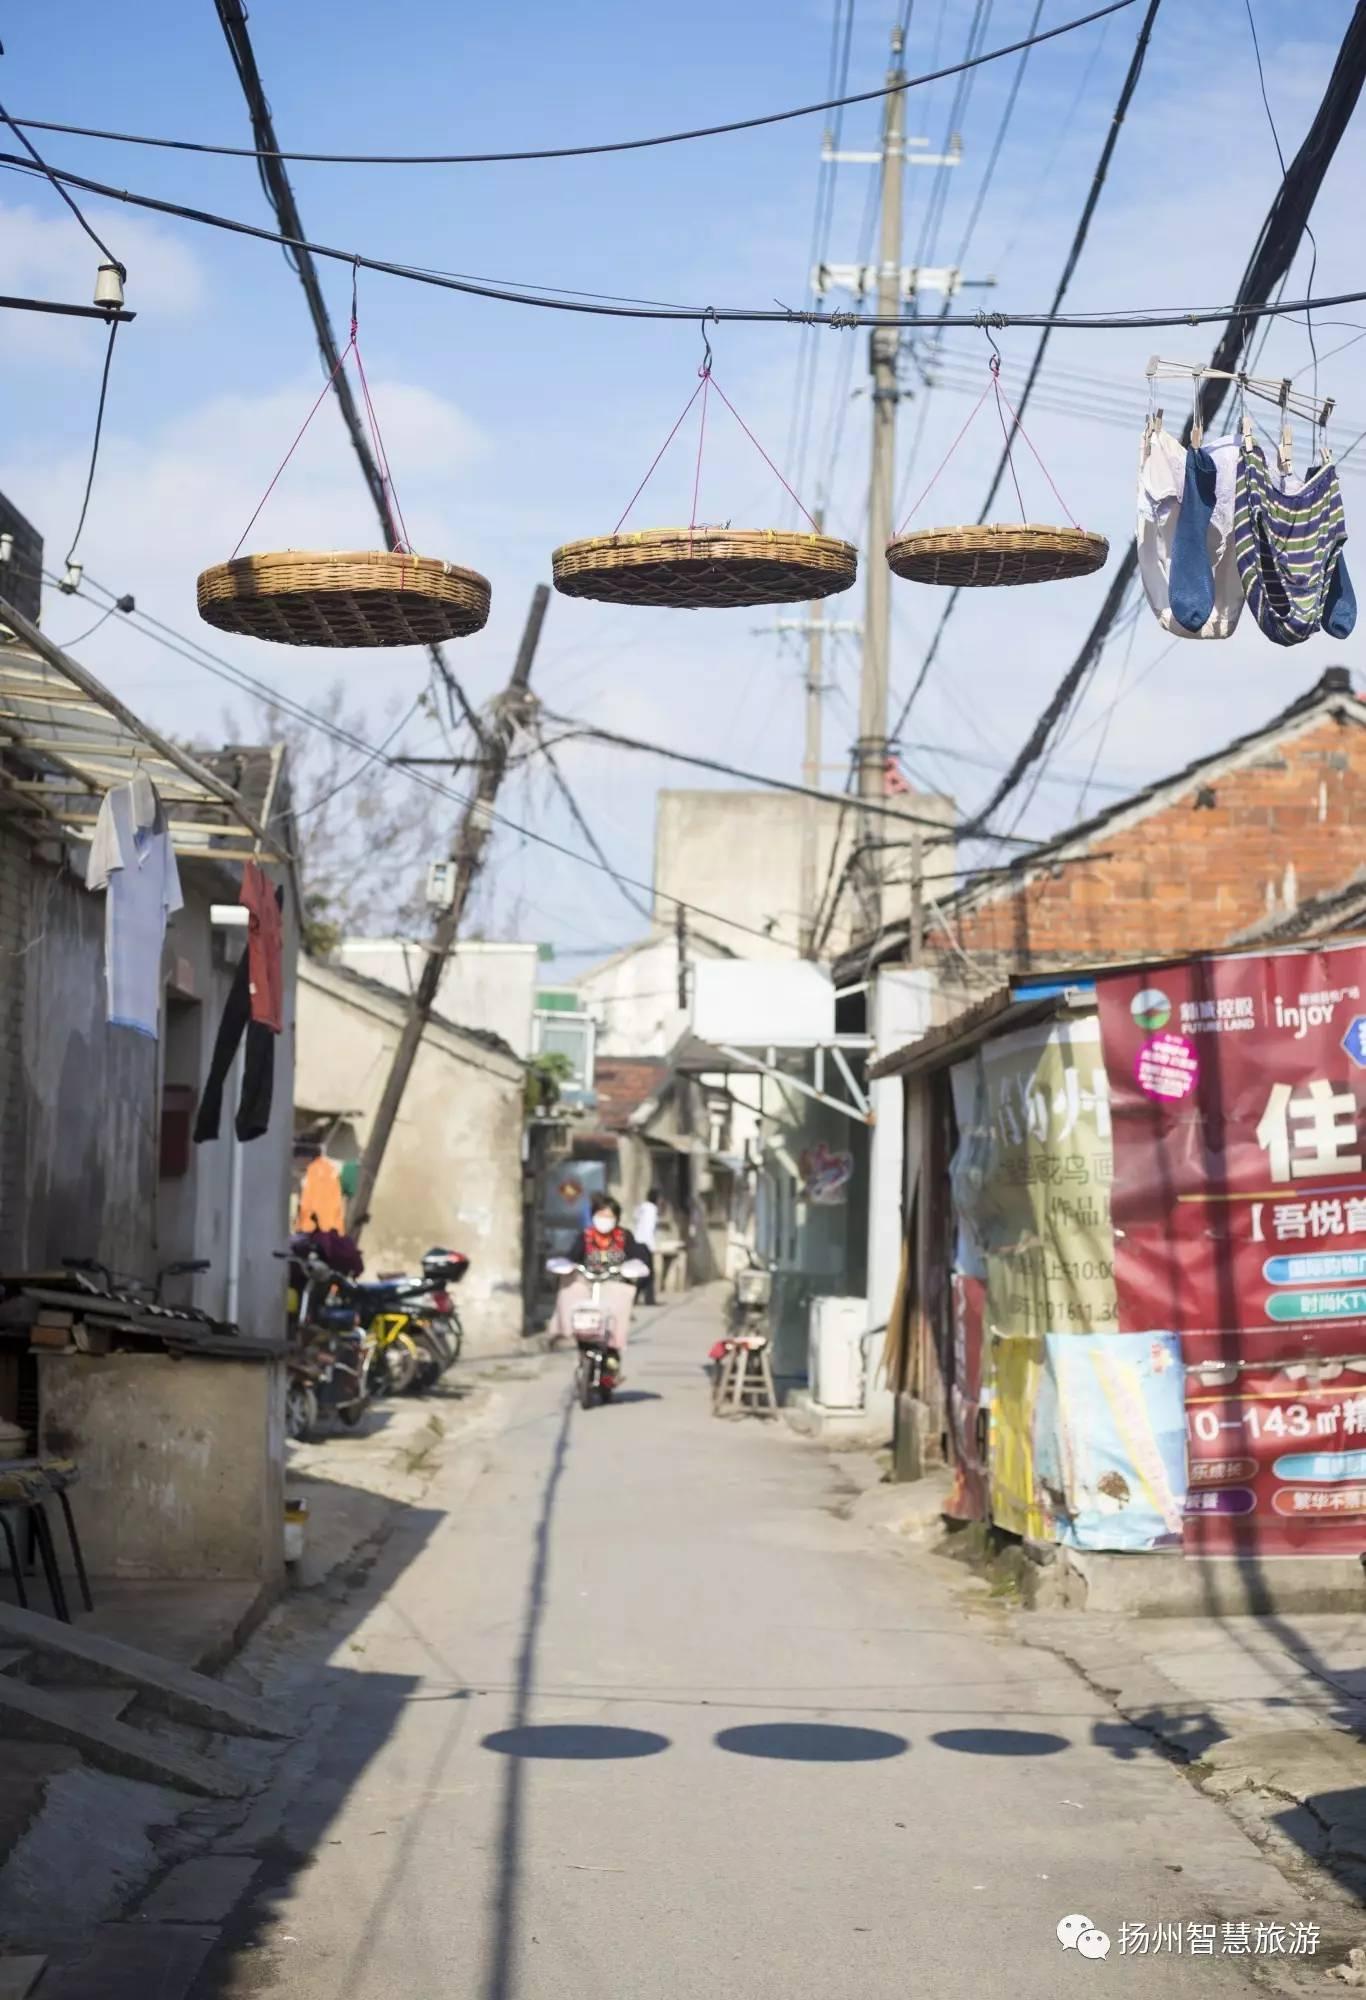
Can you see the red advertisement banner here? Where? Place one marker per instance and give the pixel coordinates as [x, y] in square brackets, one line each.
[1277, 1460]
[970, 1499]
[1238, 1109]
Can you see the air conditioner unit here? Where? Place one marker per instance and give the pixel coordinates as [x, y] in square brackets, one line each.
[835, 1352]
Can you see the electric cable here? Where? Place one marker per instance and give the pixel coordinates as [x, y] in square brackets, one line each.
[198, 655]
[16, 126]
[576, 814]
[552, 152]
[742, 315]
[1078, 244]
[279, 195]
[95, 441]
[1273, 254]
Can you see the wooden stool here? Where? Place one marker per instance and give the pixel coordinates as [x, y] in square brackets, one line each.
[745, 1381]
[25, 1487]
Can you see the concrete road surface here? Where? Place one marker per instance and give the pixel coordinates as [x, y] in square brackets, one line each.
[634, 1714]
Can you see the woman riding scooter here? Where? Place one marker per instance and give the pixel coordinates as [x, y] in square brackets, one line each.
[603, 1247]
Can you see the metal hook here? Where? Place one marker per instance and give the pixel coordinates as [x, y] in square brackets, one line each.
[709, 314]
[995, 363]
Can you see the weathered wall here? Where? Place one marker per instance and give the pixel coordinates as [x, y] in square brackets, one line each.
[91, 1093]
[205, 962]
[182, 1463]
[1282, 824]
[484, 985]
[15, 870]
[633, 996]
[453, 1170]
[739, 854]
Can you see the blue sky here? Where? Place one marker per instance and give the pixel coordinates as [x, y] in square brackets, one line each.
[512, 430]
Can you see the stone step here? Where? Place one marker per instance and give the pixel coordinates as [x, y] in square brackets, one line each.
[175, 1691]
[44, 1717]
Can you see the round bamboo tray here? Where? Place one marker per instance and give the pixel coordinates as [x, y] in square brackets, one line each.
[996, 555]
[705, 568]
[341, 598]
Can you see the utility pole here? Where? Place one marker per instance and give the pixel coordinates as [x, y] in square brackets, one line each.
[884, 344]
[897, 287]
[471, 840]
[681, 940]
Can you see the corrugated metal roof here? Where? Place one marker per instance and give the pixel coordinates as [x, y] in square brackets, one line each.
[66, 739]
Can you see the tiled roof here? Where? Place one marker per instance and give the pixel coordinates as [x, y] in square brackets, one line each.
[622, 1084]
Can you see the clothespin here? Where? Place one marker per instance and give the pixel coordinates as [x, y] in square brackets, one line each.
[1197, 427]
[1325, 450]
[1285, 454]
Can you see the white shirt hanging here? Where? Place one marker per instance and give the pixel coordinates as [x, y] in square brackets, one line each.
[1161, 484]
[132, 860]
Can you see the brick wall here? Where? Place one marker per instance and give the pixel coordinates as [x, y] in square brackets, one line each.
[1284, 822]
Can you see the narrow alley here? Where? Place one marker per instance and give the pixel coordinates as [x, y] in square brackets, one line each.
[626, 1708]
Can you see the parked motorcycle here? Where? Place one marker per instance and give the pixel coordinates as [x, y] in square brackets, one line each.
[599, 1364]
[413, 1322]
[329, 1363]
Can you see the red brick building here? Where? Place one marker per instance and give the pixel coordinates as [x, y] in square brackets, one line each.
[1233, 845]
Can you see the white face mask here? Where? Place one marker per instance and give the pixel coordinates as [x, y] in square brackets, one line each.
[604, 1224]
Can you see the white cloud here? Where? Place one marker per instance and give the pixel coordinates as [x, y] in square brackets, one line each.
[45, 253]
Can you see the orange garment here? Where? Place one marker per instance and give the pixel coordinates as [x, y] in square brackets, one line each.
[320, 1198]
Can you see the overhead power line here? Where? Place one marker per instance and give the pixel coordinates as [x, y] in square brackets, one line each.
[1273, 253]
[16, 125]
[193, 651]
[574, 728]
[1083, 230]
[568, 152]
[280, 195]
[563, 787]
[741, 315]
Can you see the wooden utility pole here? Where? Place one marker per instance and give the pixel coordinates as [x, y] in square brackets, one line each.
[468, 854]
[681, 939]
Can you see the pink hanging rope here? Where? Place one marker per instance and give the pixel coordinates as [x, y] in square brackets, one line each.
[972, 415]
[1005, 434]
[705, 373]
[764, 455]
[1039, 462]
[397, 526]
[341, 363]
[658, 455]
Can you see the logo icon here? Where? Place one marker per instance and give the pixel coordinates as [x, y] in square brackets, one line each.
[1151, 1008]
[1354, 1041]
[1079, 1934]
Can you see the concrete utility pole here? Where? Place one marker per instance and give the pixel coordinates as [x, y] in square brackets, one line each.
[884, 342]
[681, 941]
[814, 626]
[897, 286]
[468, 855]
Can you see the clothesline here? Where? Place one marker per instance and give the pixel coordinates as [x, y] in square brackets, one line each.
[1269, 389]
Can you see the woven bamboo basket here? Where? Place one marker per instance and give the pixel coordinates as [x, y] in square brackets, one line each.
[343, 598]
[996, 555]
[705, 568]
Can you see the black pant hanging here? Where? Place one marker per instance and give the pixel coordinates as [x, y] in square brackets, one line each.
[258, 1078]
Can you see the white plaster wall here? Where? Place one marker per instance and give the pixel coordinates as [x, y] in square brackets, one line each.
[452, 1173]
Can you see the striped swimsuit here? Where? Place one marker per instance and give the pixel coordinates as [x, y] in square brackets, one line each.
[1289, 550]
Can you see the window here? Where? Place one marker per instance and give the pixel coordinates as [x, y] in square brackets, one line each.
[572, 1036]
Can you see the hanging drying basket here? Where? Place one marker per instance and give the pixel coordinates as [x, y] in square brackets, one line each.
[996, 555]
[302, 598]
[705, 568]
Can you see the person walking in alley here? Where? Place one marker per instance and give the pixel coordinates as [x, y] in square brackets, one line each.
[646, 1231]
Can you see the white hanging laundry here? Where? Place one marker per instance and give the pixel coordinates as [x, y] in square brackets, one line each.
[132, 860]
[1161, 485]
